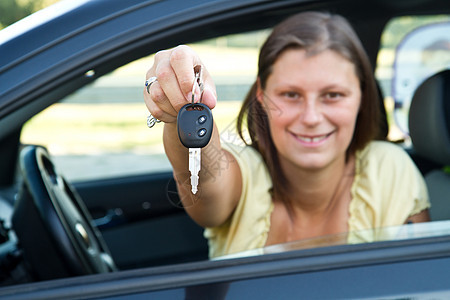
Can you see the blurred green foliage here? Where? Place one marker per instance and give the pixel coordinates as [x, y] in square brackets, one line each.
[12, 11]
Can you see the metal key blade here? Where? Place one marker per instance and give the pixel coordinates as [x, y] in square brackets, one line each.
[194, 167]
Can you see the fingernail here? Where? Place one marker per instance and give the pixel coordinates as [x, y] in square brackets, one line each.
[189, 97]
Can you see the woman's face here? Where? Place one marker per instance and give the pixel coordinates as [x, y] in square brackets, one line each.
[312, 103]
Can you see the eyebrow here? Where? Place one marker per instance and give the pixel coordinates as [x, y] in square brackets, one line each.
[334, 86]
[327, 87]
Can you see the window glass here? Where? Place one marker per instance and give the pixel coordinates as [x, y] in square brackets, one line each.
[100, 131]
[412, 49]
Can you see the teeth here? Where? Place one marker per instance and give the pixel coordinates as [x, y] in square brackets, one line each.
[312, 140]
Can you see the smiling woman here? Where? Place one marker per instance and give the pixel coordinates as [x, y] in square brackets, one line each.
[65, 77]
[313, 167]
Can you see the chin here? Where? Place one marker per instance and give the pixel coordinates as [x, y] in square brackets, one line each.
[310, 163]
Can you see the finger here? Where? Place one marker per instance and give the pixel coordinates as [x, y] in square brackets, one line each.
[156, 111]
[158, 97]
[159, 56]
[183, 60]
[209, 97]
[169, 87]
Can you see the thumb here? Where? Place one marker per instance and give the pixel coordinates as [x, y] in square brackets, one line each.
[209, 97]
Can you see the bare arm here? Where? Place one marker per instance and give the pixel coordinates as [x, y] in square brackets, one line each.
[220, 177]
[423, 216]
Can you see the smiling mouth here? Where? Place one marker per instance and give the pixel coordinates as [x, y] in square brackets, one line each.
[315, 139]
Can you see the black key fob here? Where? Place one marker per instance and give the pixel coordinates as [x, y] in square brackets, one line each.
[195, 125]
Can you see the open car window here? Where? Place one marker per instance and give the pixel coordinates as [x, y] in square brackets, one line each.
[412, 50]
[100, 130]
[422, 53]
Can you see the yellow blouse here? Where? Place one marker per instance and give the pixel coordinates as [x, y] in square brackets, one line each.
[387, 189]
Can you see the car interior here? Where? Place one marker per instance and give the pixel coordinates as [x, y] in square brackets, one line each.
[429, 125]
[54, 224]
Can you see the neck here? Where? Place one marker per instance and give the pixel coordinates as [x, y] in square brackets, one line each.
[315, 192]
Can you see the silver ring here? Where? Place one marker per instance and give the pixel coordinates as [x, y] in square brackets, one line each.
[149, 82]
[151, 121]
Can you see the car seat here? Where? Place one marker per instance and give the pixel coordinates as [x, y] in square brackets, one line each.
[429, 125]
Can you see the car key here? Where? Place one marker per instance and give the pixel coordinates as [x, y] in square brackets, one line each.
[195, 125]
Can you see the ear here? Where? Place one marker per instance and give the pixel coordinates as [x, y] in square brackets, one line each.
[259, 91]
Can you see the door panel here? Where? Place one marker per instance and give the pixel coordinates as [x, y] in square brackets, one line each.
[141, 222]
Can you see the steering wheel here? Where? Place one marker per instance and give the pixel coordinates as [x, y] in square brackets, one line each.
[52, 224]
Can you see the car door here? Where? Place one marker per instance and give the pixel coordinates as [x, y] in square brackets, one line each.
[100, 142]
[96, 131]
[97, 135]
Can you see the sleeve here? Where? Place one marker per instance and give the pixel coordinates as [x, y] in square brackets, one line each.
[390, 188]
[247, 228]
[405, 191]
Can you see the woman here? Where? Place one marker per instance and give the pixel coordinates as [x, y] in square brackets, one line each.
[313, 166]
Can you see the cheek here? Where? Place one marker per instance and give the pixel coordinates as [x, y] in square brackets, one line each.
[349, 115]
[355, 112]
[345, 118]
[279, 112]
[278, 116]
[346, 112]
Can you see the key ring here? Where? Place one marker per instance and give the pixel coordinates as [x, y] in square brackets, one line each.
[199, 80]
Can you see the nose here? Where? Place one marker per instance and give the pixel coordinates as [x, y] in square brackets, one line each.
[311, 113]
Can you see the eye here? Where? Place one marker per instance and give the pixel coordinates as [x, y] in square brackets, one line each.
[334, 96]
[290, 95]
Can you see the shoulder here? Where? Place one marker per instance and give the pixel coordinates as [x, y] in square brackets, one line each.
[388, 186]
[382, 150]
[254, 172]
[239, 150]
[248, 159]
[386, 164]
[384, 158]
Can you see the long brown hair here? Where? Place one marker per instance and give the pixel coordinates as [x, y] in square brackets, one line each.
[314, 32]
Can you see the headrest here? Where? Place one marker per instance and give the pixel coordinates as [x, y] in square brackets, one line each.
[429, 118]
